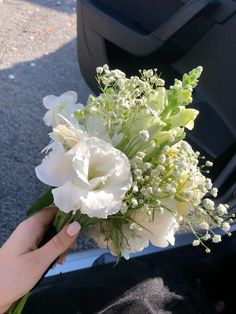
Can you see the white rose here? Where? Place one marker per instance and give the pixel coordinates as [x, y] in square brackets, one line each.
[159, 230]
[64, 105]
[92, 177]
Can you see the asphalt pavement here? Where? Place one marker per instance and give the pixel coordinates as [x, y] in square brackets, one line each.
[37, 57]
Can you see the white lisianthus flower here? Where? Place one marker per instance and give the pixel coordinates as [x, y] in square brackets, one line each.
[92, 177]
[64, 105]
[159, 230]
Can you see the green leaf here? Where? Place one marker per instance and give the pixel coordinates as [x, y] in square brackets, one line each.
[45, 200]
[18, 306]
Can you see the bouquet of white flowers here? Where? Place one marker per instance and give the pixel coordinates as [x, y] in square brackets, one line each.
[120, 166]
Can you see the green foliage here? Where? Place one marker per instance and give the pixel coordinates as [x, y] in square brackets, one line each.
[45, 200]
[18, 306]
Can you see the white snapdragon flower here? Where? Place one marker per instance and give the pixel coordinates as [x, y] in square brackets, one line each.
[67, 136]
[92, 177]
[65, 105]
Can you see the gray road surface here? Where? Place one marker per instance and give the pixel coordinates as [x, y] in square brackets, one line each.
[37, 58]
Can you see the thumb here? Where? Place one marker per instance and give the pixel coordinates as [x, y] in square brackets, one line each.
[59, 244]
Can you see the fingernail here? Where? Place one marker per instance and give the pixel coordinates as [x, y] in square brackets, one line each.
[73, 229]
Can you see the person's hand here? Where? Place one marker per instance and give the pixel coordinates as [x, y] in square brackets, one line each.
[22, 263]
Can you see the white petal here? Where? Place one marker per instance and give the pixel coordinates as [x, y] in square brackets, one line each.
[99, 204]
[96, 182]
[75, 107]
[95, 127]
[48, 118]
[159, 231]
[49, 101]
[81, 161]
[69, 97]
[68, 197]
[55, 168]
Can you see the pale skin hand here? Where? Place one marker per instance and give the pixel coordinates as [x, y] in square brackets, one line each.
[22, 263]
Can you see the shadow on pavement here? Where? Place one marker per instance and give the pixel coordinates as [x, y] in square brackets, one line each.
[68, 6]
[22, 131]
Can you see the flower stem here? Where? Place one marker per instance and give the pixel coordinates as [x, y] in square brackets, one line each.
[18, 306]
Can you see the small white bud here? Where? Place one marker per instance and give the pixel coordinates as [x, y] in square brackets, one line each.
[209, 163]
[206, 237]
[196, 243]
[124, 208]
[144, 134]
[165, 149]
[219, 220]
[149, 190]
[99, 70]
[204, 225]
[222, 210]
[216, 238]
[138, 172]
[226, 226]
[208, 251]
[214, 192]
[162, 158]
[209, 204]
[134, 202]
[172, 190]
[135, 189]
[147, 165]
[141, 154]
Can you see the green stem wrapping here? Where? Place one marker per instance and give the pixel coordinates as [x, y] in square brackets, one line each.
[18, 306]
